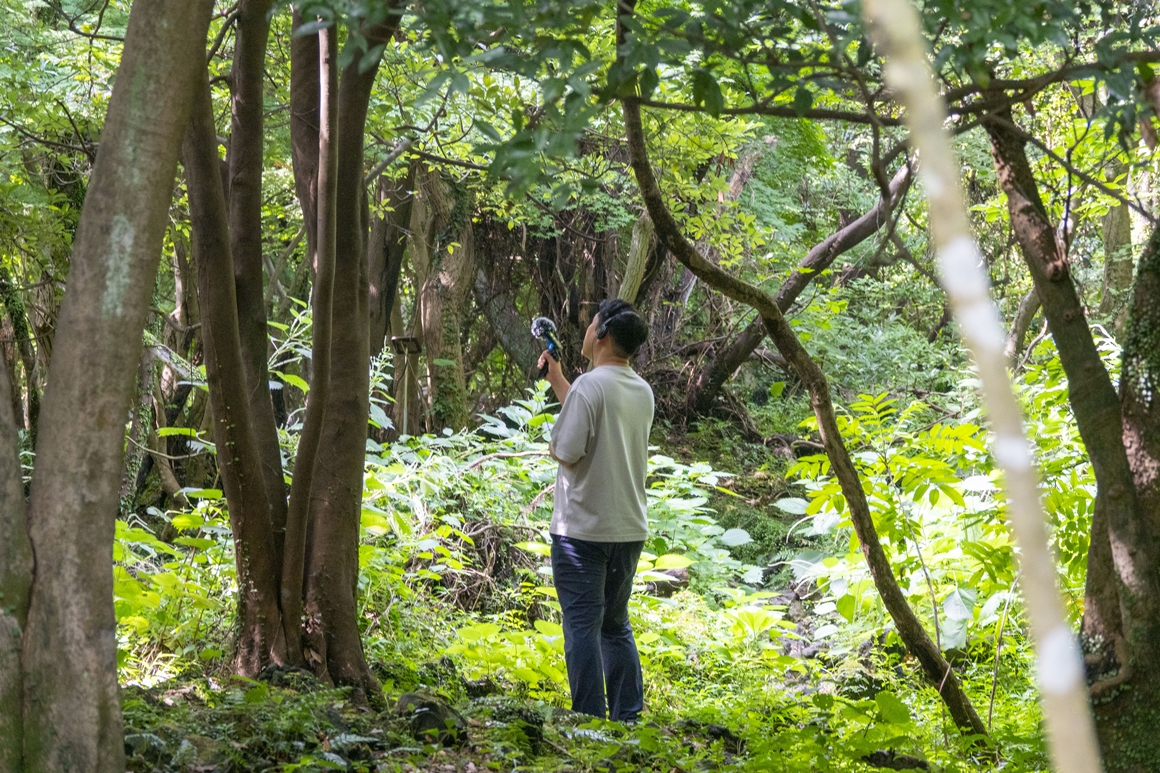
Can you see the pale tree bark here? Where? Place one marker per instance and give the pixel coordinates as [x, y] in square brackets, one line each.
[1118, 258]
[72, 714]
[897, 30]
[935, 667]
[638, 253]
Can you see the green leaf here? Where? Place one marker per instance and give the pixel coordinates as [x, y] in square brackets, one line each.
[891, 708]
[538, 548]
[736, 537]
[792, 505]
[672, 561]
[803, 100]
[442, 363]
[173, 431]
[776, 388]
[707, 92]
[294, 381]
[846, 606]
[202, 493]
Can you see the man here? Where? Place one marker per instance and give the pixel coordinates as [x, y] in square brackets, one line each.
[599, 523]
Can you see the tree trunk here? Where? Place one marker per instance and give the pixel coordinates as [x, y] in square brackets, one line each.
[246, 159]
[335, 645]
[22, 339]
[638, 253]
[385, 259]
[304, 124]
[712, 377]
[15, 584]
[935, 667]
[1028, 308]
[1126, 715]
[897, 31]
[260, 640]
[322, 333]
[499, 308]
[72, 713]
[1097, 413]
[448, 248]
[1118, 258]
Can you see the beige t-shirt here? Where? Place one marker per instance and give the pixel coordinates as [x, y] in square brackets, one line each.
[602, 432]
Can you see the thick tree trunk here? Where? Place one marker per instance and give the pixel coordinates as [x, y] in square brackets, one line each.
[333, 639]
[260, 640]
[322, 333]
[385, 259]
[1096, 407]
[1126, 715]
[938, 672]
[72, 713]
[713, 375]
[246, 158]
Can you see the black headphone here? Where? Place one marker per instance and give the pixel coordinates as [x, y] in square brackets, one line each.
[602, 331]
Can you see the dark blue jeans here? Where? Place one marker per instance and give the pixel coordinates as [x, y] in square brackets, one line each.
[593, 583]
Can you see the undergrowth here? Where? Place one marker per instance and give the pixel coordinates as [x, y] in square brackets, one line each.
[777, 655]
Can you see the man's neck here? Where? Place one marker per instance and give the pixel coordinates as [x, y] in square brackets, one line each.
[608, 358]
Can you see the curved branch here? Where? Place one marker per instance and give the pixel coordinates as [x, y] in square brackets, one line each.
[936, 668]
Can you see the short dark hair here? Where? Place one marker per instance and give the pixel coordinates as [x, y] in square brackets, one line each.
[620, 320]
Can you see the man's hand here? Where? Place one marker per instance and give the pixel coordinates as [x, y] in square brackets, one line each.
[555, 376]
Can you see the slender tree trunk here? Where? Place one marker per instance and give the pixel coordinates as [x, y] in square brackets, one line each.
[304, 127]
[335, 645]
[443, 290]
[938, 672]
[22, 335]
[1096, 407]
[897, 31]
[72, 713]
[388, 247]
[260, 640]
[322, 306]
[246, 158]
[1028, 308]
[15, 585]
[1118, 258]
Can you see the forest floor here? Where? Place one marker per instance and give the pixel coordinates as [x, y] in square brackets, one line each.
[736, 679]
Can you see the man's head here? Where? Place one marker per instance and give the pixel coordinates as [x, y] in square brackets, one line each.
[617, 329]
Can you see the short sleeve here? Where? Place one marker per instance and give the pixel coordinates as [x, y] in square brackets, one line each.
[574, 427]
